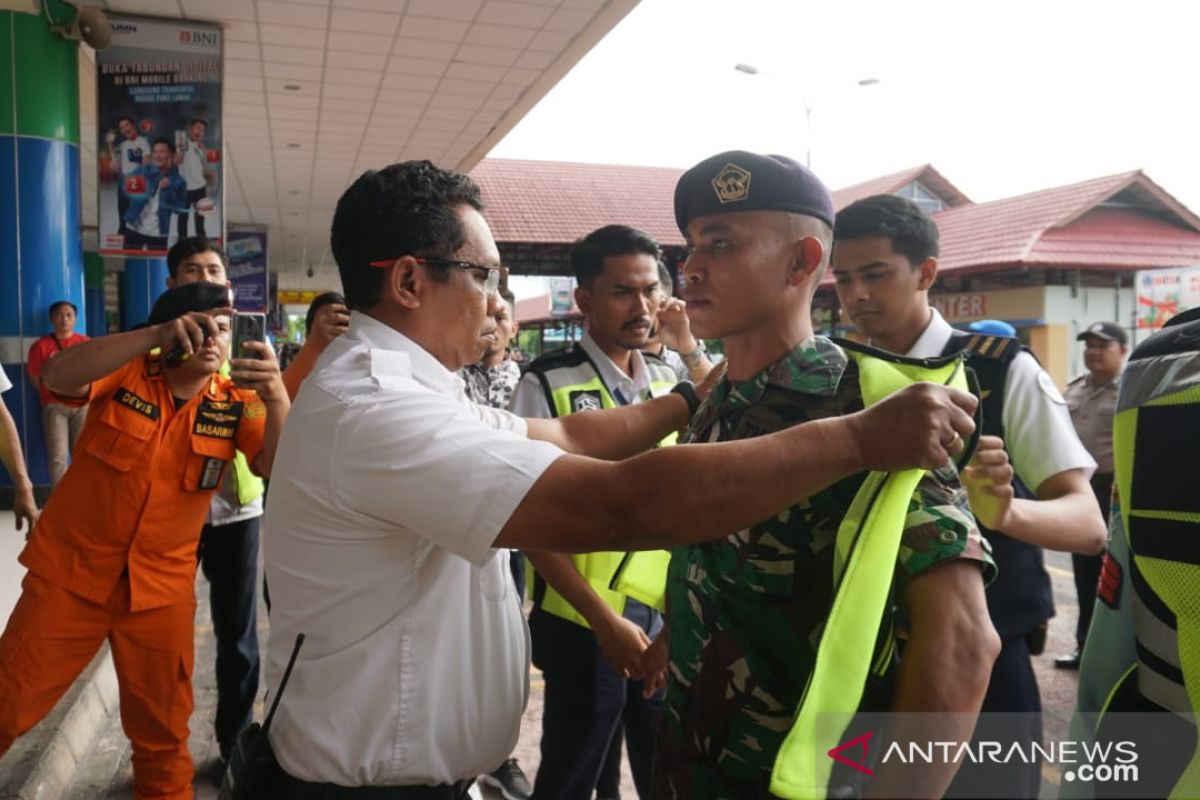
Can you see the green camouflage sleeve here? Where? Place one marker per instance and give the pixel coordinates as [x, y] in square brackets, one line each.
[940, 527]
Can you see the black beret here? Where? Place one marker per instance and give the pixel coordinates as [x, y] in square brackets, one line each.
[198, 296]
[741, 181]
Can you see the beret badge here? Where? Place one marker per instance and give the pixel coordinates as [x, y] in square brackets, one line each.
[732, 184]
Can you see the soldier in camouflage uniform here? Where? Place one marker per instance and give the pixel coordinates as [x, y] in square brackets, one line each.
[746, 613]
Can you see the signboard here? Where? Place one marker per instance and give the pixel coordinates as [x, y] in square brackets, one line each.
[1163, 293]
[247, 252]
[560, 296]
[960, 307]
[296, 297]
[158, 98]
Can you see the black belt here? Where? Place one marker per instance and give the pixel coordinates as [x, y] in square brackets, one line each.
[296, 789]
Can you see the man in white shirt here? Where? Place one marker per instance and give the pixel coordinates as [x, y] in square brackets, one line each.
[393, 495]
[884, 262]
[132, 152]
[191, 158]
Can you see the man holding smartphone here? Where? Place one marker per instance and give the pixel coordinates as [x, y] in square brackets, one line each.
[228, 551]
[113, 554]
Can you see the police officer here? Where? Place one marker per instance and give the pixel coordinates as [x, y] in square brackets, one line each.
[884, 263]
[587, 638]
[1092, 399]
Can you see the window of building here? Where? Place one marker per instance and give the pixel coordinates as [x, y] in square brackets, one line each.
[926, 200]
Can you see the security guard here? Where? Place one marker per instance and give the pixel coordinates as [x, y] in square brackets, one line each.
[114, 553]
[747, 614]
[588, 638]
[1141, 665]
[884, 262]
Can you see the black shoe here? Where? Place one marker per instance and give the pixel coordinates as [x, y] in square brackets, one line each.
[1068, 662]
[509, 780]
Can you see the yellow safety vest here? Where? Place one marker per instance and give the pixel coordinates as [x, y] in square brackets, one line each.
[573, 384]
[868, 542]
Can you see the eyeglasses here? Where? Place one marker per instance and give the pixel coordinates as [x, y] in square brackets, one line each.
[490, 284]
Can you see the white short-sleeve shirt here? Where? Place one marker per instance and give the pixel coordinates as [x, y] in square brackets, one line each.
[5, 383]
[1038, 434]
[132, 153]
[387, 492]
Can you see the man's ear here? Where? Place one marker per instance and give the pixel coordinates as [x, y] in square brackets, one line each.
[170, 282]
[928, 269]
[807, 254]
[583, 299]
[406, 282]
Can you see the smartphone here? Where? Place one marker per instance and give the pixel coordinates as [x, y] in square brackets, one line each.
[246, 327]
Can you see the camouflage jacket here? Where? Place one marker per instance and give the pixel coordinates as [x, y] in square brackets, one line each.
[746, 612]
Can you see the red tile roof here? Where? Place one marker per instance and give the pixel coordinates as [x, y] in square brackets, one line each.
[929, 177]
[1065, 226]
[555, 202]
[549, 202]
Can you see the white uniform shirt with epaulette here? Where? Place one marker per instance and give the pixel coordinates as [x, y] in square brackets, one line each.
[1039, 436]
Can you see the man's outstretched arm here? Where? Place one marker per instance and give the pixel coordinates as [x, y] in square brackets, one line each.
[582, 504]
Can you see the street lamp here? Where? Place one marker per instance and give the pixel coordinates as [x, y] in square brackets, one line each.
[750, 69]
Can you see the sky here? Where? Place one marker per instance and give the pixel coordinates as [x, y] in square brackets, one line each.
[1003, 98]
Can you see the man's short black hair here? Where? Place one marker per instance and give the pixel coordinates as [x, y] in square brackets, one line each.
[404, 209]
[912, 233]
[203, 122]
[323, 299]
[587, 257]
[197, 296]
[59, 304]
[126, 119]
[163, 140]
[191, 246]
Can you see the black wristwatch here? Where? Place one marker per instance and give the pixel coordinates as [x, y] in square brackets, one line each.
[687, 390]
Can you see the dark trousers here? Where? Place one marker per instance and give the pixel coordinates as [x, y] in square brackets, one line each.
[139, 241]
[193, 196]
[1087, 568]
[586, 700]
[1012, 696]
[229, 557]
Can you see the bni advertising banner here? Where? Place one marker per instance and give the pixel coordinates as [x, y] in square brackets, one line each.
[247, 253]
[158, 98]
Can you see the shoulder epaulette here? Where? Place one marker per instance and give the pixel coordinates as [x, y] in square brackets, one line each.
[998, 348]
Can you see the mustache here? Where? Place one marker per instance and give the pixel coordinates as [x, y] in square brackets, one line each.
[637, 321]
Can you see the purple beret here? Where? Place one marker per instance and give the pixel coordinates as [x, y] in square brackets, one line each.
[741, 181]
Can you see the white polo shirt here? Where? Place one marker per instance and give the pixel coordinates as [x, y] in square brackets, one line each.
[1039, 436]
[388, 490]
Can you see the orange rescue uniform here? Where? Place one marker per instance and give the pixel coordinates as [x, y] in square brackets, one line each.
[114, 557]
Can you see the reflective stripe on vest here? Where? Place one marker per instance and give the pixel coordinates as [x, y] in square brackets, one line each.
[868, 543]
[579, 388]
[1156, 419]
